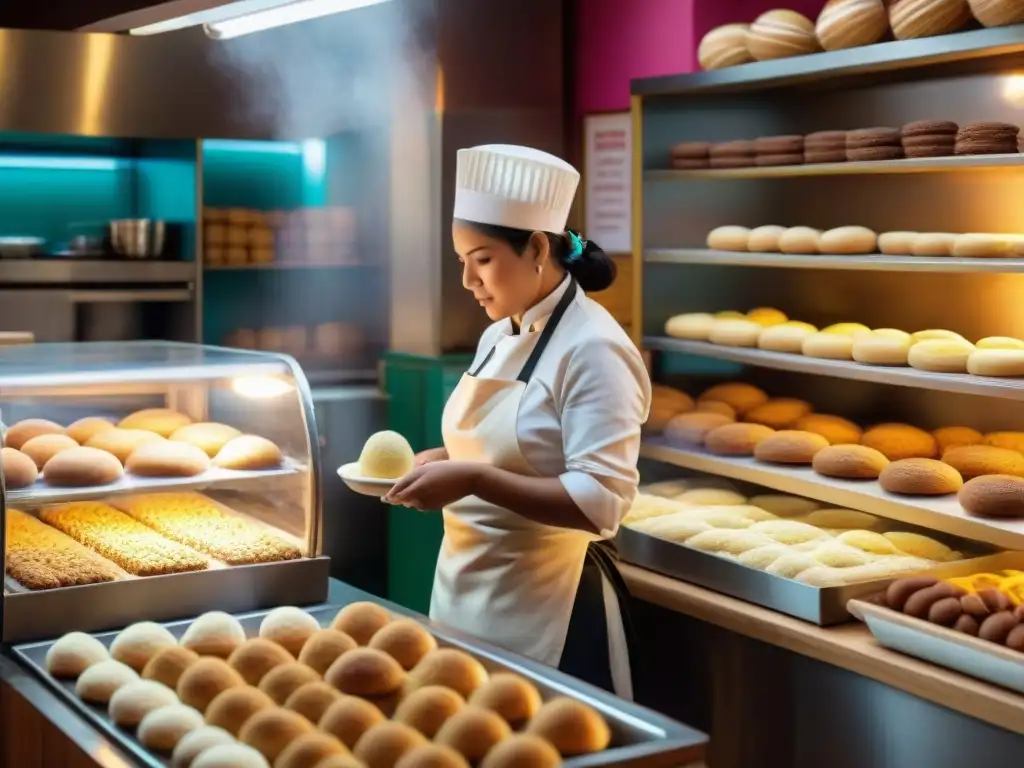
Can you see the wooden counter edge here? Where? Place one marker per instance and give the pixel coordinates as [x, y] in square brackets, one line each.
[848, 646]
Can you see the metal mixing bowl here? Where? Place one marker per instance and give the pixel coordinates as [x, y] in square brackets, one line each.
[138, 238]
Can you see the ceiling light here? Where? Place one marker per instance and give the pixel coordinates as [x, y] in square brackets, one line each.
[291, 13]
[202, 12]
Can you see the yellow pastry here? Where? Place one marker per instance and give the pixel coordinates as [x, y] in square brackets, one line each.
[940, 356]
[767, 316]
[936, 334]
[728, 542]
[763, 557]
[996, 342]
[835, 554]
[917, 545]
[678, 526]
[710, 497]
[842, 519]
[869, 541]
[788, 531]
[845, 329]
[785, 337]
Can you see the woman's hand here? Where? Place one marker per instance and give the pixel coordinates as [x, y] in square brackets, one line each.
[435, 485]
[430, 456]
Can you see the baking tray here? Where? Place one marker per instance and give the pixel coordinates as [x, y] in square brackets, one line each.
[640, 736]
[823, 606]
[954, 650]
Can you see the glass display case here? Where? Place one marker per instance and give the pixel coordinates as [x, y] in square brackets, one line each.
[154, 480]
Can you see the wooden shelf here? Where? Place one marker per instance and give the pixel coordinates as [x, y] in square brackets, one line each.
[276, 265]
[875, 262]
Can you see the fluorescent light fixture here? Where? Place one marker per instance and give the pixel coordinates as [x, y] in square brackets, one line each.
[202, 12]
[288, 13]
[248, 145]
[261, 387]
[63, 163]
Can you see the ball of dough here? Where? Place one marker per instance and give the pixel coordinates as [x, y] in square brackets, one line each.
[232, 708]
[74, 653]
[692, 428]
[256, 657]
[202, 681]
[138, 643]
[982, 246]
[366, 672]
[779, 412]
[829, 346]
[523, 750]
[289, 627]
[19, 470]
[784, 505]
[767, 317]
[432, 756]
[42, 448]
[132, 702]
[473, 732]
[312, 700]
[848, 241]
[122, 443]
[82, 467]
[163, 421]
[790, 447]
[997, 13]
[901, 441]
[897, 243]
[270, 731]
[789, 532]
[694, 326]
[735, 333]
[385, 743]
[912, 19]
[955, 437]
[163, 728]
[800, 240]
[786, 337]
[349, 718]
[571, 727]
[167, 459]
[710, 497]
[736, 439]
[920, 477]
[739, 395]
[724, 46]
[879, 349]
[197, 741]
[850, 462]
[21, 432]
[512, 697]
[997, 496]
[309, 750]
[101, 680]
[999, 342]
[724, 541]
[324, 647]
[765, 239]
[977, 460]
[361, 621]
[168, 665]
[939, 356]
[994, 362]
[249, 453]
[83, 430]
[214, 633]
[230, 756]
[932, 244]
[728, 238]
[779, 34]
[449, 667]
[851, 23]
[404, 640]
[208, 436]
[387, 455]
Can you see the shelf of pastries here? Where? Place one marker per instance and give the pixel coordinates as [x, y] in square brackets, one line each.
[356, 684]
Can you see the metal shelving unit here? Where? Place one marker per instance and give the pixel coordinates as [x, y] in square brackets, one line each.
[866, 263]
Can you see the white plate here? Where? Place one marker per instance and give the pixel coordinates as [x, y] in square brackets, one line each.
[367, 486]
[954, 650]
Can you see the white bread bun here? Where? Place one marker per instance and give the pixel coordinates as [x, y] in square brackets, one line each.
[936, 334]
[830, 346]
[851, 23]
[724, 46]
[999, 342]
[765, 239]
[779, 34]
[741, 396]
[735, 333]
[897, 243]
[879, 349]
[997, 13]
[996, 362]
[766, 317]
[932, 244]
[982, 246]
[923, 18]
[848, 241]
[786, 337]
[800, 240]
[846, 329]
[728, 238]
[940, 356]
[693, 325]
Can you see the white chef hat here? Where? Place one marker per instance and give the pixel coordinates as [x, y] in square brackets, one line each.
[513, 186]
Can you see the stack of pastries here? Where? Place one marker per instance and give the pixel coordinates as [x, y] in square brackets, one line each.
[369, 691]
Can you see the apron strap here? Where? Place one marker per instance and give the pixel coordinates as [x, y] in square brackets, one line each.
[605, 556]
[487, 359]
[548, 332]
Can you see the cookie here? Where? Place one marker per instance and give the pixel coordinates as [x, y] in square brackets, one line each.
[986, 147]
[930, 128]
[779, 145]
[874, 153]
[731, 162]
[993, 130]
[825, 156]
[930, 150]
[828, 139]
[691, 150]
[690, 164]
[766, 160]
[731, 149]
[864, 138]
[928, 140]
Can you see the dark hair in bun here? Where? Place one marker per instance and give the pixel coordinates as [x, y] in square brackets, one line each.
[593, 269]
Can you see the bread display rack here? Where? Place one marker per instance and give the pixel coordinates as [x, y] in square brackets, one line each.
[964, 78]
[239, 531]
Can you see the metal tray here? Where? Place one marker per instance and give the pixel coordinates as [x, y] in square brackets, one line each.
[640, 737]
[819, 605]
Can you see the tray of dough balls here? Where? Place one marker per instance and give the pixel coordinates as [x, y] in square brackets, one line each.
[355, 687]
[972, 624]
[154, 448]
[785, 552]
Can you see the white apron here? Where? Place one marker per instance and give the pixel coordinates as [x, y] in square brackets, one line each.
[501, 577]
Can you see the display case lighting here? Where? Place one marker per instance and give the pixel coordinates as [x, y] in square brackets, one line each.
[57, 162]
[260, 387]
[290, 13]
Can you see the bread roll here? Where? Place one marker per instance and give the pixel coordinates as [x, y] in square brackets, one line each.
[982, 246]
[1012, 440]
[82, 430]
[42, 448]
[765, 239]
[779, 412]
[122, 443]
[829, 346]
[940, 356]
[790, 447]
[691, 428]
[209, 436]
[786, 337]
[989, 362]
[997, 13]
[977, 460]
[735, 333]
[82, 468]
[924, 18]
[737, 394]
[878, 349]
[851, 24]
[897, 243]
[767, 317]
[724, 46]
[695, 326]
[845, 329]
[19, 470]
[901, 441]
[936, 334]
[163, 421]
[736, 439]
[999, 342]
[998, 496]
[713, 406]
[851, 462]
[845, 241]
[835, 429]
[955, 437]
[920, 477]
[21, 432]
[779, 34]
[167, 459]
[800, 240]
[249, 452]
[728, 238]
[932, 244]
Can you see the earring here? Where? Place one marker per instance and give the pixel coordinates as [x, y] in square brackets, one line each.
[538, 268]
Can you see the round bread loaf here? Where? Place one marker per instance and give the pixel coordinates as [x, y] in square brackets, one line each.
[828, 346]
[404, 640]
[204, 680]
[695, 326]
[82, 467]
[901, 441]
[386, 743]
[800, 240]
[82, 430]
[835, 429]
[21, 432]
[571, 727]
[42, 448]
[249, 452]
[208, 436]
[312, 700]
[289, 627]
[724, 46]
[163, 728]
[736, 439]
[787, 337]
[665, 396]
[472, 732]
[284, 680]
[779, 412]
[765, 239]
[132, 702]
[74, 653]
[122, 443]
[271, 730]
[955, 437]
[790, 446]
[924, 18]
[988, 362]
[767, 317]
[348, 718]
[523, 750]
[1012, 440]
[851, 462]
[324, 647]
[997, 13]
[167, 666]
[999, 342]
[737, 394]
[897, 243]
[657, 419]
[728, 238]
[846, 241]
[163, 421]
[939, 356]
[692, 428]
[19, 470]
[851, 24]
[735, 333]
[198, 741]
[920, 477]
[932, 244]
[879, 349]
[994, 496]
[936, 334]
[779, 34]
[981, 245]
[714, 406]
[977, 460]
[214, 633]
[167, 459]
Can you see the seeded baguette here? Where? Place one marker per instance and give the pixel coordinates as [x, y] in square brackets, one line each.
[40, 557]
[118, 537]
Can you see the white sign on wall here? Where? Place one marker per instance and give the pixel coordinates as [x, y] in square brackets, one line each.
[608, 194]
